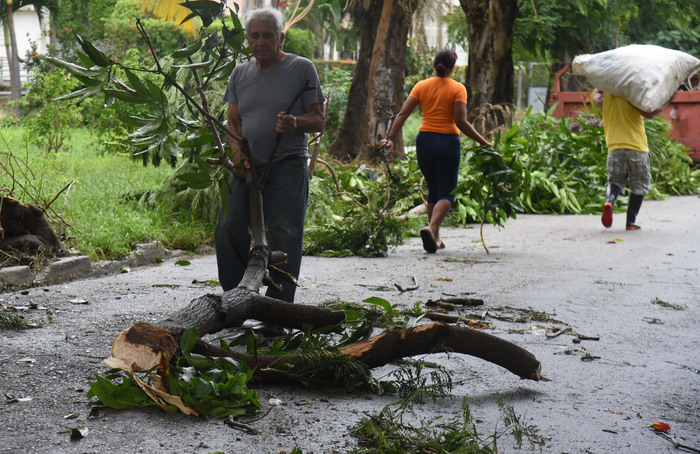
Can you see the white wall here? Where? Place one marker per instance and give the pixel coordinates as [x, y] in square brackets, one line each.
[27, 29]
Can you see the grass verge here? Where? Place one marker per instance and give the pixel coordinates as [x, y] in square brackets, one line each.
[87, 191]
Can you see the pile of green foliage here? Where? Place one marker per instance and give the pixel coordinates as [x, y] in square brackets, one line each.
[541, 165]
[210, 386]
[388, 433]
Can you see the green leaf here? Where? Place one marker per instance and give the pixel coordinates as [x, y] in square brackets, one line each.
[76, 433]
[197, 140]
[137, 85]
[379, 302]
[96, 55]
[127, 394]
[199, 180]
[82, 93]
[187, 51]
[77, 69]
[188, 341]
[200, 362]
[125, 96]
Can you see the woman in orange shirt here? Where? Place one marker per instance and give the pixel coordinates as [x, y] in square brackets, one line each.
[444, 104]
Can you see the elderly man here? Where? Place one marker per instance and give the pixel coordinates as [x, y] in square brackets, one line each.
[258, 93]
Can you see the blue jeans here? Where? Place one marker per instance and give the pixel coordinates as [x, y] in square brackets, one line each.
[285, 197]
[438, 159]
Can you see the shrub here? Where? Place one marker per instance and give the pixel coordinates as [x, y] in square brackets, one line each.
[336, 78]
[300, 42]
[121, 31]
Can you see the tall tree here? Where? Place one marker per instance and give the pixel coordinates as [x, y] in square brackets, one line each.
[7, 10]
[377, 85]
[12, 57]
[490, 72]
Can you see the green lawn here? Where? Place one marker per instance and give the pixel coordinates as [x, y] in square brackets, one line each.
[90, 188]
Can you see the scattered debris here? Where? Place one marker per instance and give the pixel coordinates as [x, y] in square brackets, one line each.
[675, 307]
[240, 426]
[450, 303]
[661, 426]
[77, 433]
[408, 289]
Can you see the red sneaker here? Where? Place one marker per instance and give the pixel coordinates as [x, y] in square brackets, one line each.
[633, 227]
[607, 216]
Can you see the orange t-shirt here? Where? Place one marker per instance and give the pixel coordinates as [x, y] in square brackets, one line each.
[437, 96]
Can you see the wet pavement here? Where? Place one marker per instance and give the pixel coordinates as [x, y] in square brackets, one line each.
[632, 299]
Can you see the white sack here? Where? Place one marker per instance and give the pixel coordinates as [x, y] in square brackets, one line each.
[647, 76]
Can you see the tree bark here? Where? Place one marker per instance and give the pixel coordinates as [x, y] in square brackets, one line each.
[13, 59]
[143, 346]
[377, 86]
[25, 228]
[490, 72]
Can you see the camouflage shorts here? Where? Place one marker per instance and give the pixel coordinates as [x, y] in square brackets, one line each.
[629, 166]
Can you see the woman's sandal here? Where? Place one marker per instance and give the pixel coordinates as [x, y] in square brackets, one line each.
[428, 241]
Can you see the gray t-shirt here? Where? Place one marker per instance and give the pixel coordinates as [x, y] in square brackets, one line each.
[261, 96]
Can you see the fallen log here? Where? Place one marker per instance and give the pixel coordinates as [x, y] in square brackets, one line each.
[132, 347]
[396, 343]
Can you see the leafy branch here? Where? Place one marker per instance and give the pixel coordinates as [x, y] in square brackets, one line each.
[175, 87]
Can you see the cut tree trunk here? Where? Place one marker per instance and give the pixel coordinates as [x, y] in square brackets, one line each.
[24, 228]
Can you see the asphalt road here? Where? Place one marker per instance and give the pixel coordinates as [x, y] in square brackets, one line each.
[632, 297]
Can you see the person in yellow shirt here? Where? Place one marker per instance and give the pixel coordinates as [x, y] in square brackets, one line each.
[443, 101]
[628, 160]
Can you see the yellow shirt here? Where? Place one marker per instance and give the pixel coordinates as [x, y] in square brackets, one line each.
[437, 96]
[624, 125]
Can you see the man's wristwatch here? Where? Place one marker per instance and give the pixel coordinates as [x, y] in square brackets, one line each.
[294, 123]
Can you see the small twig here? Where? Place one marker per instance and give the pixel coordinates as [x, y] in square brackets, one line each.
[587, 338]
[461, 301]
[65, 199]
[68, 186]
[385, 158]
[408, 289]
[316, 142]
[330, 169]
[481, 233]
[678, 445]
[240, 426]
[558, 332]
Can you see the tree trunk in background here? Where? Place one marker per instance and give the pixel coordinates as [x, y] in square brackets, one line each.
[317, 30]
[377, 86]
[490, 73]
[12, 58]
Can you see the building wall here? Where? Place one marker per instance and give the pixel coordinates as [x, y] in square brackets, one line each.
[27, 30]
